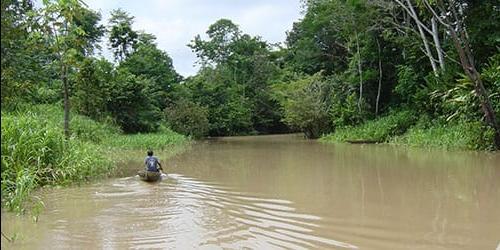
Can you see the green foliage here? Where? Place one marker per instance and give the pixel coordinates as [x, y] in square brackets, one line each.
[35, 153]
[483, 26]
[379, 130]
[305, 103]
[345, 112]
[458, 135]
[133, 99]
[149, 62]
[491, 77]
[24, 54]
[234, 82]
[229, 111]
[408, 83]
[93, 87]
[131, 104]
[122, 38]
[318, 41]
[454, 97]
[73, 30]
[84, 128]
[89, 130]
[161, 140]
[188, 118]
[222, 35]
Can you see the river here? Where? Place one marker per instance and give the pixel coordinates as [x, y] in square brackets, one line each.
[274, 192]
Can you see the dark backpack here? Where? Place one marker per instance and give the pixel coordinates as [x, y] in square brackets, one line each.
[152, 164]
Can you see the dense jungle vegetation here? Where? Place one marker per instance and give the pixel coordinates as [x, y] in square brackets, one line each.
[414, 72]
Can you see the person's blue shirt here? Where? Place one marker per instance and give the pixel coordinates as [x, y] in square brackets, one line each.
[152, 163]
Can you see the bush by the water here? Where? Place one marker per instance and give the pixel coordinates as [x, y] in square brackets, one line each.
[160, 140]
[379, 130]
[462, 135]
[82, 127]
[35, 153]
[188, 118]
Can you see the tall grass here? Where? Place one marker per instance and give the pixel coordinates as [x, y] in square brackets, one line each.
[35, 153]
[161, 140]
[82, 127]
[461, 135]
[379, 130]
[406, 128]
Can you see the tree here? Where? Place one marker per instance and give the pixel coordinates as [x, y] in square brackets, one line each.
[122, 37]
[66, 23]
[229, 111]
[337, 37]
[88, 21]
[150, 62]
[306, 104]
[452, 16]
[188, 118]
[217, 49]
[242, 68]
[93, 86]
[318, 42]
[24, 54]
[422, 29]
[131, 104]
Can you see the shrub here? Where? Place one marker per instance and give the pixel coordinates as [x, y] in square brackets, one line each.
[87, 129]
[464, 135]
[188, 118]
[35, 153]
[160, 140]
[306, 104]
[379, 130]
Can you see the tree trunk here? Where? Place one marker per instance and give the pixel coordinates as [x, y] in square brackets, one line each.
[437, 43]
[64, 79]
[379, 78]
[466, 60]
[461, 43]
[360, 74]
[411, 11]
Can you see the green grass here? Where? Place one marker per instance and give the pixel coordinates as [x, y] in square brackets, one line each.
[156, 141]
[35, 152]
[379, 130]
[82, 127]
[403, 128]
[459, 135]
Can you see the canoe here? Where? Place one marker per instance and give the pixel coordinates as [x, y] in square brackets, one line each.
[362, 141]
[149, 175]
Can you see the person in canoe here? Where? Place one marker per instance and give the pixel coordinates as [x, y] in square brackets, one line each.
[152, 168]
[152, 163]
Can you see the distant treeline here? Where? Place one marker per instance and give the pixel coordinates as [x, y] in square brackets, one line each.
[342, 65]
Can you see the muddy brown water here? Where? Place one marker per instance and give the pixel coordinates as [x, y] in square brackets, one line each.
[275, 192]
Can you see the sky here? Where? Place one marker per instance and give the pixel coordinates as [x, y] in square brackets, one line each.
[176, 22]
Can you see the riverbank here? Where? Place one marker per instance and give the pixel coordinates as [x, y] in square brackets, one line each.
[410, 129]
[35, 153]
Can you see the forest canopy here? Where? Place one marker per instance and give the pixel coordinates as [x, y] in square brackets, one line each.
[344, 64]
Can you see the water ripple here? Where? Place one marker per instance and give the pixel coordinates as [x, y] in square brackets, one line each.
[207, 215]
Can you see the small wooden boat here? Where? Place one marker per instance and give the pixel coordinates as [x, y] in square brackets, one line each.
[362, 141]
[149, 176]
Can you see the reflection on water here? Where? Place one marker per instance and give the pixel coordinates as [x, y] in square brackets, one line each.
[271, 192]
